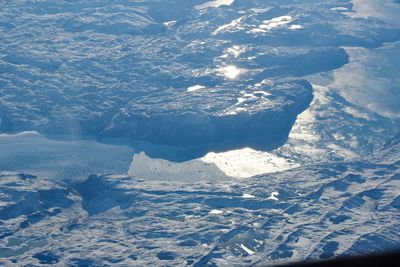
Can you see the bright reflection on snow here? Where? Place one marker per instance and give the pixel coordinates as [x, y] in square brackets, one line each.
[240, 163]
[215, 3]
[247, 162]
[230, 71]
[235, 50]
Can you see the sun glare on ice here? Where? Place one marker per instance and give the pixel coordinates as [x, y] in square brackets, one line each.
[231, 72]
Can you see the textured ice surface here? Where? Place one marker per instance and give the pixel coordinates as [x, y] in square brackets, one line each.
[208, 94]
[30, 152]
[117, 70]
[114, 69]
[317, 212]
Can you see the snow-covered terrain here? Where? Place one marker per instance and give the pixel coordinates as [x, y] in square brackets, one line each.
[322, 210]
[198, 133]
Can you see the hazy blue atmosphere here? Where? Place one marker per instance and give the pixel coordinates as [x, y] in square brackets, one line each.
[198, 133]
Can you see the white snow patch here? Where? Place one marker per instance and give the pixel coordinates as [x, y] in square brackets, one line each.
[295, 27]
[232, 25]
[240, 100]
[170, 24]
[257, 225]
[230, 112]
[216, 212]
[249, 96]
[339, 8]
[273, 196]
[239, 109]
[248, 251]
[195, 88]
[277, 22]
